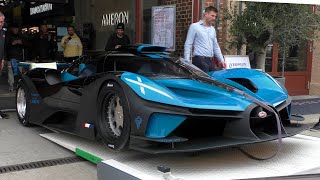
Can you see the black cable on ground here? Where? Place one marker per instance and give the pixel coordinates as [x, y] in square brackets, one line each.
[279, 125]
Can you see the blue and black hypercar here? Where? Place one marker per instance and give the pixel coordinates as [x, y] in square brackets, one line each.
[140, 98]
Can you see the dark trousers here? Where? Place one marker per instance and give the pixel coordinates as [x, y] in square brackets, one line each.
[70, 59]
[203, 63]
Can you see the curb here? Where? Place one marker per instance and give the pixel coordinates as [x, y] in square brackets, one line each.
[8, 110]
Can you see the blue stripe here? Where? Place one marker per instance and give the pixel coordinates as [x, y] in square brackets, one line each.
[164, 56]
[154, 56]
[140, 48]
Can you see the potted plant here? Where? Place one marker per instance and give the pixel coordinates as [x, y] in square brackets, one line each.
[260, 24]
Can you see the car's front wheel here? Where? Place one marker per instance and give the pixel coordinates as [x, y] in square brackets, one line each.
[22, 104]
[113, 117]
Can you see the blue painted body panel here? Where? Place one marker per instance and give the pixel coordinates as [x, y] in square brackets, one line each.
[154, 56]
[142, 47]
[161, 125]
[269, 90]
[185, 93]
[65, 76]
[195, 94]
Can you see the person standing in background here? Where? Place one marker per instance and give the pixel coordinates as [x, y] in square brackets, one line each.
[117, 39]
[2, 41]
[14, 46]
[15, 43]
[202, 37]
[72, 45]
[44, 45]
[2, 52]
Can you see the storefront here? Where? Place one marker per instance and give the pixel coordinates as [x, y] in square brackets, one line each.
[53, 14]
[96, 20]
[30, 15]
[139, 18]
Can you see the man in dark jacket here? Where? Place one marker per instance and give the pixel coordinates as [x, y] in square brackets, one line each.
[2, 41]
[2, 52]
[44, 45]
[14, 46]
[117, 39]
[15, 43]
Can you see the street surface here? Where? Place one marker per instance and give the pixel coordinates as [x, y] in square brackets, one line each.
[24, 145]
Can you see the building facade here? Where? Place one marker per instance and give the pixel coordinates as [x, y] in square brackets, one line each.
[315, 71]
[100, 18]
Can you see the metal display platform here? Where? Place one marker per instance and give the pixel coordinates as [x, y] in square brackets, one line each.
[298, 154]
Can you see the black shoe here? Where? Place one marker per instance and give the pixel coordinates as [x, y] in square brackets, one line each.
[3, 116]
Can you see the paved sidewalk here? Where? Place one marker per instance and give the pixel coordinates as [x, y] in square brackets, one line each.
[304, 97]
[21, 145]
[306, 106]
[7, 98]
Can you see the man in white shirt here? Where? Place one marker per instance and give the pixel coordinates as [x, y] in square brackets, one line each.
[202, 37]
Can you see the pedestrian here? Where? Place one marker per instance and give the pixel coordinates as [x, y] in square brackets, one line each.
[72, 45]
[14, 46]
[2, 51]
[2, 41]
[203, 39]
[15, 43]
[117, 39]
[44, 45]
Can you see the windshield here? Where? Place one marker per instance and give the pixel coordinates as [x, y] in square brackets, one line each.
[151, 67]
[156, 67]
[191, 68]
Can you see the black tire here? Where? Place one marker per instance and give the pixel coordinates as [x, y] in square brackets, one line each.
[23, 117]
[111, 101]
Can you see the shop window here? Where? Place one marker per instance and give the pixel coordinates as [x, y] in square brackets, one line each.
[268, 64]
[147, 9]
[296, 60]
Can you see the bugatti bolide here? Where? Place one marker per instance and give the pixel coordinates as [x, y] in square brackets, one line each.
[141, 98]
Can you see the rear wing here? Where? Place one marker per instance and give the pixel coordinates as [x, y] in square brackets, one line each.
[32, 65]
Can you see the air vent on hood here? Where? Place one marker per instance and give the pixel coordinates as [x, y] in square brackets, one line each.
[246, 83]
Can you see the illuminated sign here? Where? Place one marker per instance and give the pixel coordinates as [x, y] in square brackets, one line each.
[115, 18]
[41, 8]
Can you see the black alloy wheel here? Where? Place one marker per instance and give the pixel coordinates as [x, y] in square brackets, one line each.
[113, 117]
[22, 104]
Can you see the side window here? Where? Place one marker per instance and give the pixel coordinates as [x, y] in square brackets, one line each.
[127, 64]
[105, 64]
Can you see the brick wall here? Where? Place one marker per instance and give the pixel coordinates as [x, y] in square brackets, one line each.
[315, 72]
[183, 20]
[222, 30]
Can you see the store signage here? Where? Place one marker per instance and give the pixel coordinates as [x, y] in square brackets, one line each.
[115, 18]
[41, 8]
[237, 61]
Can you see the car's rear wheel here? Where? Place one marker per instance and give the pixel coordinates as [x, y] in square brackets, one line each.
[113, 118]
[22, 104]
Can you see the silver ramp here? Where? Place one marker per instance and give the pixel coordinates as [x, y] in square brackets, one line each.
[299, 153]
